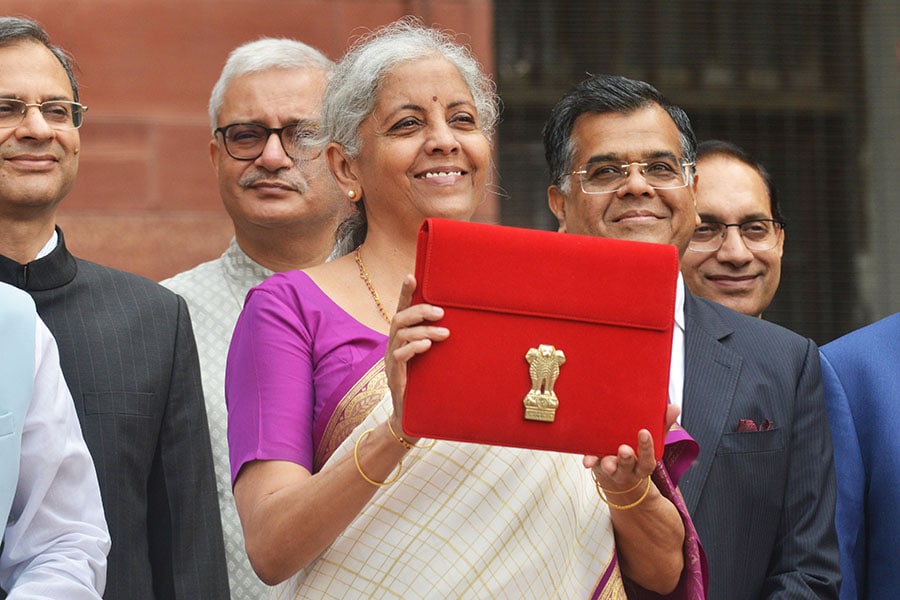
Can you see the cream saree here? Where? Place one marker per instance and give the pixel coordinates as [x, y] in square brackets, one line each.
[464, 521]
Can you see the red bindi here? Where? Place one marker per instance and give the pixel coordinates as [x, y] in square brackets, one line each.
[434, 98]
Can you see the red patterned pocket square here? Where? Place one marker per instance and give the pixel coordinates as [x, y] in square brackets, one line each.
[745, 425]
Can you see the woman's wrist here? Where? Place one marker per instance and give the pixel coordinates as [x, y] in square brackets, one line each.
[396, 430]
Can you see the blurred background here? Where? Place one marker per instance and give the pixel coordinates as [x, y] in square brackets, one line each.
[810, 87]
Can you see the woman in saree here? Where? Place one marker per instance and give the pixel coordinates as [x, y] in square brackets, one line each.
[336, 501]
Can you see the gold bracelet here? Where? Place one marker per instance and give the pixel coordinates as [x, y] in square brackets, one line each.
[622, 506]
[406, 444]
[606, 491]
[399, 438]
[359, 468]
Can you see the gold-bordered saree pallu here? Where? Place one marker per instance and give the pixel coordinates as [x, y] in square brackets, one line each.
[468, 521]
[348, 412]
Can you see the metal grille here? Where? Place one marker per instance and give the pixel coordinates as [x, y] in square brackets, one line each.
[779, 78]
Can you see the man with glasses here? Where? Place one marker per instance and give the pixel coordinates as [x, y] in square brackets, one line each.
[762, 491]
[734, 257]
[126, 346]
[285, 208]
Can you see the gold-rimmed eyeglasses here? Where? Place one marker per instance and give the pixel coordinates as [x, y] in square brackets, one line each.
[604, 177]
[58, 114]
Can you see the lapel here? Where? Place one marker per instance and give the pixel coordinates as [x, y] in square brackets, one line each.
[711, 372]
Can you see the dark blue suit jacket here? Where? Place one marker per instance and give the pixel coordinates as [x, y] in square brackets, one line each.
[762, 502]
[862, 388]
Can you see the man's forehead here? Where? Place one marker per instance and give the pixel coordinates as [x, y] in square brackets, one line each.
[293, 94]
[729, 188]
[277, 78]
[29, 56]
[634, 135]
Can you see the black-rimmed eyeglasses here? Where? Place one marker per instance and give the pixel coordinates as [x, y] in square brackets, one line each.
[758, 235]
[246, 141]
[58, 114]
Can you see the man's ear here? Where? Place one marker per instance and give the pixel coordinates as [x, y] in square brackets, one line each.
[214, 155]
[556, 199]
[344, 170]
[697, 220]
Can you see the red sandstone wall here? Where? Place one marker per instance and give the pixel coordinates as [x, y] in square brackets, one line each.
[146, 198]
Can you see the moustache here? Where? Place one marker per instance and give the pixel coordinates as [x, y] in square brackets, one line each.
[291, 179]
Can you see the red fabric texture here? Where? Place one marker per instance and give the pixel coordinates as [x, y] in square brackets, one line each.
[607, 304]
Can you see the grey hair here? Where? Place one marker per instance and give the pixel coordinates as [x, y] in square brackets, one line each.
[261, 55]
[600, 94]
[353, 90]
[351, 94]
[19, 29]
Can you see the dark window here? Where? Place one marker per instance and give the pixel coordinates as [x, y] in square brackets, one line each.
[781, 78]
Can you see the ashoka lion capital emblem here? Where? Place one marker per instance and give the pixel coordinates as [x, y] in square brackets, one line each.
[543, 367]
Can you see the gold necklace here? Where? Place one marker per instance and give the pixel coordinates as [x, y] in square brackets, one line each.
[364, 275]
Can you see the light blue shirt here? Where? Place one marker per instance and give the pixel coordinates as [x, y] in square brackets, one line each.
[55, 538]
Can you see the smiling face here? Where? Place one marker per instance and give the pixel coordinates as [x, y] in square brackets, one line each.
[38, 164]
[729, 191]
[423, 153]
[636, 211]
[273, 191]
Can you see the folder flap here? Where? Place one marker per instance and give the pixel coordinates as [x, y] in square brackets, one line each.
[542, 273]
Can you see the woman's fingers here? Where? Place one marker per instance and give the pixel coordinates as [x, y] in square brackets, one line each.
[406, 292]
[411, 333]
[622, 470]
[672, 412]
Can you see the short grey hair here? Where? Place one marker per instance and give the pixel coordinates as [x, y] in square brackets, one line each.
[353, 90]
[261, 55]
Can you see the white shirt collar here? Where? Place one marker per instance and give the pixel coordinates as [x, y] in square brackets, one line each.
[676, 366]
[49, 247]
[679, 302]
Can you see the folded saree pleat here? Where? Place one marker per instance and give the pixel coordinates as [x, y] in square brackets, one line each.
[680, 453]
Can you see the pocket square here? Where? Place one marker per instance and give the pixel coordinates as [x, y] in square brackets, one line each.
[745, 425]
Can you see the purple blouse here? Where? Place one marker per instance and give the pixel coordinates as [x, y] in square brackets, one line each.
[293, 356]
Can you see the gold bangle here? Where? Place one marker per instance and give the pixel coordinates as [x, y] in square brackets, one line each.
[622, 506]
[359, 468]
[606, 491]
[406, 444]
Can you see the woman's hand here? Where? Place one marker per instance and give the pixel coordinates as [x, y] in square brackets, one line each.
[626, 469]
[410, 334]
[649, 538]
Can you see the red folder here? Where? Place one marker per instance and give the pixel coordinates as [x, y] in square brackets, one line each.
[557, 341]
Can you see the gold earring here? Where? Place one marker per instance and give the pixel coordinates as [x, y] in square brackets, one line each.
[351, 194]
